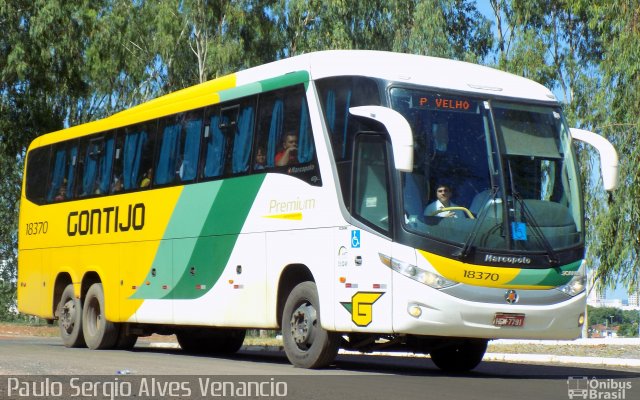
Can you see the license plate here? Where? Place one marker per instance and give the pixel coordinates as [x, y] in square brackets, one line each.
[504, 319]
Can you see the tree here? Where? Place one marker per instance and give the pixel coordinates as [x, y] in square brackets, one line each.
[445, 28]
[617, 232]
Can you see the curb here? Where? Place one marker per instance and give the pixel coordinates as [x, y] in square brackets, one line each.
[555, 359]
[500, 357]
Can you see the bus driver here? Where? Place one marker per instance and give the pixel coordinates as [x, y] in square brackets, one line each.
[443, 194]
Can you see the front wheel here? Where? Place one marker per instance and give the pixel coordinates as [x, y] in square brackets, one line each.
[70, 318]
[306, 343]
[461, 356]
[98, 332]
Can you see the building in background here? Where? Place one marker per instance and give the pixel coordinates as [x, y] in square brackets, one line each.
[634, 299]
[595, 297]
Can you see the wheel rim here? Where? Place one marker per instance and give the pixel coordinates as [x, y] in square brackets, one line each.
[68, 316]
[94, 317]
[304, 321]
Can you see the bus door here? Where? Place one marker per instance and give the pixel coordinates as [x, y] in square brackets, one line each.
[363, 280]
[32, 277]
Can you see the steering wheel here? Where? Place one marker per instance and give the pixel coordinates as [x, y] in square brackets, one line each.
[457, 208]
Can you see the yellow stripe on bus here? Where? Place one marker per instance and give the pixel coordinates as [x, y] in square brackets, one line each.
[297, 216]
[477, 275]
[182, 100]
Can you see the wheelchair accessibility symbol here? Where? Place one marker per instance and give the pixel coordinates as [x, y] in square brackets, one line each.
[355, 239]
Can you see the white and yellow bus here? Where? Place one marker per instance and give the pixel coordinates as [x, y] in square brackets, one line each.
[298, 196]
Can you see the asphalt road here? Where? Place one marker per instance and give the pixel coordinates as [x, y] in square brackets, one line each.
[354, 377]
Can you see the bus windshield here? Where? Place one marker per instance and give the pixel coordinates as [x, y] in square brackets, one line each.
[492, 175]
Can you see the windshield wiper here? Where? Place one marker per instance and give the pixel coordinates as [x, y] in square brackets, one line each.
[468, 244]
[528, 216]
[542, 239]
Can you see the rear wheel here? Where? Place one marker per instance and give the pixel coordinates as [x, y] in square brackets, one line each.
[306, 343]
[211, 340]
[461, 356]
[98, 332]
[70, 318]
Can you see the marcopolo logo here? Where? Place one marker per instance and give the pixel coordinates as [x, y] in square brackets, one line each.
[492, 258]
[582, 387]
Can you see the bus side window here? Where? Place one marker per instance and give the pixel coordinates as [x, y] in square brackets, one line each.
[179, 149]
[188, 168]
[37, 166]
[337, 95]
[284, 114]
[105, 165]
[215, 145]
[63, 170]
[228, 124]
[117, 183]
[243, 138]
[96, 164]
[272, 126]
[137, 157]
[167, 159]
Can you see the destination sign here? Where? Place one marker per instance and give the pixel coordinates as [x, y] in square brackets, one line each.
[444, 103]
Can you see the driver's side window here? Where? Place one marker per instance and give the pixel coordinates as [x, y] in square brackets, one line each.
[371, 188]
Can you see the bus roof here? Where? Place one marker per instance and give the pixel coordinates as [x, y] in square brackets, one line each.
[432, 72]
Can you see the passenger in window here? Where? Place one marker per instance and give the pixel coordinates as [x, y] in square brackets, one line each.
[62, 192]
[260, 158]
[117, 185]
[443, 194]
[146, 180]
[289, 153]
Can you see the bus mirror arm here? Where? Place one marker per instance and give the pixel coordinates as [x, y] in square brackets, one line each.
[608, 156]
[399, 131]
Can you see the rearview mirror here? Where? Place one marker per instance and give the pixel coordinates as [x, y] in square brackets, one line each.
[399, 131]
[608, 156]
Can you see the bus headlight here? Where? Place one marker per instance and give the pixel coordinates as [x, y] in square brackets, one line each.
[576, 285]
[417, 274]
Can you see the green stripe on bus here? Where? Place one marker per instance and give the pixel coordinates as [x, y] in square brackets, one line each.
[240, 91]
[266, 85]
[199, 238]
[219, 235]
[190, 212]
[285, 80]
[546, 277]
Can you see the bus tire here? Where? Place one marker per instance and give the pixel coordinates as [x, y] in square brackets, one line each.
[70, 318]
[306, 343]
[461, 356]
[125, 340]
[211, 341]
[98, 332]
